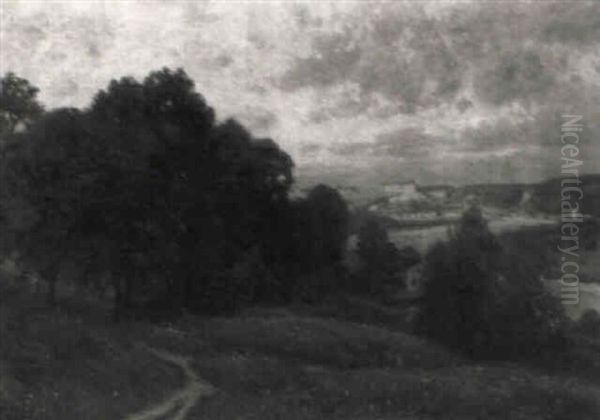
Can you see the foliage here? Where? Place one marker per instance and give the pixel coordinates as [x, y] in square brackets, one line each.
[383, 264]
[329, 216]
[485, 301]
[589, 323]
[156, 188]
[310, 255]
[18, 103]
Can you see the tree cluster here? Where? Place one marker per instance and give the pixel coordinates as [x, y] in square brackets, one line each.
[486, 301]
[147, 185]
[383, 264]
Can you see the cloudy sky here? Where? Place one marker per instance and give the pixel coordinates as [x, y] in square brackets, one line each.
[452, 91]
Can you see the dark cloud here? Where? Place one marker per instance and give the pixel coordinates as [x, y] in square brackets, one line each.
[32, 35]
[57, 36]
[415, 61]
[576, 23]
[496, 135]
[323, 78]
[399, 56]
[408, 143]
[310, 148]
[223, 60]
[305, 19]
[513, 75]
[333, 61]
[463, 104]
[197, 13]
[405, 143]
[352, 149]
[345, 104]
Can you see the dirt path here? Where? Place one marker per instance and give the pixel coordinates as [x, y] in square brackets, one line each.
[179, 404]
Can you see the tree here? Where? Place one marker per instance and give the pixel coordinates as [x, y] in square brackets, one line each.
[207, 190]
[329, 217]
[154, 134]
[377, 255]
[589, 323]
[383, 264]
[147, 172]
[485, 301]
[314, 244]
[53, 169]
[18, 103]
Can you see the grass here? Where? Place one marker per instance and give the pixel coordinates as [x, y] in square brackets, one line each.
[65, 364]
[323, 341]
[269, 363]
[280, 364]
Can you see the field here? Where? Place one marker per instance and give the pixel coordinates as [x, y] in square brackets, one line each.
[347, 358]
[298, 362]
[69, 363]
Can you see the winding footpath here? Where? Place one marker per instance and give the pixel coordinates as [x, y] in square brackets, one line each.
[179, 404]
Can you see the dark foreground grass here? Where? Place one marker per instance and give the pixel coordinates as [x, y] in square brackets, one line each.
[63, 363]
[308, 392]
[281, 365]
[70, 363]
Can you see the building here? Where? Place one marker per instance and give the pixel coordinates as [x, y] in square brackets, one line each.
[438, 192]
[403, 193]
[409, 187]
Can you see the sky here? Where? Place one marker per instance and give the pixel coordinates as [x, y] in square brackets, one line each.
[356, 91]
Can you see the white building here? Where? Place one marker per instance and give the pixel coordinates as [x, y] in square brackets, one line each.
[409, 187]
[403, 192]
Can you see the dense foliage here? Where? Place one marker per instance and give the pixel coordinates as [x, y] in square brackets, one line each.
[18, 104]
[147, 185]
[486, 301]
[147, 191]
[382, 264]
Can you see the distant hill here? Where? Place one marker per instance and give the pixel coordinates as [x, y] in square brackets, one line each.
[503, 196]
[547, 195]
[541, 197]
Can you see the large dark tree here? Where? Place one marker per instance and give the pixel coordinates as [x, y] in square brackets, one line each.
[53, 172]
[329, 217]
[315, 244]
[485, 301]
[190, 185]
[148, 173]
[383, 264]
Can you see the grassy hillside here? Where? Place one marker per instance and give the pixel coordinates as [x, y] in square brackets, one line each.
[279, 364]
[295, 363]
[68, 363]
